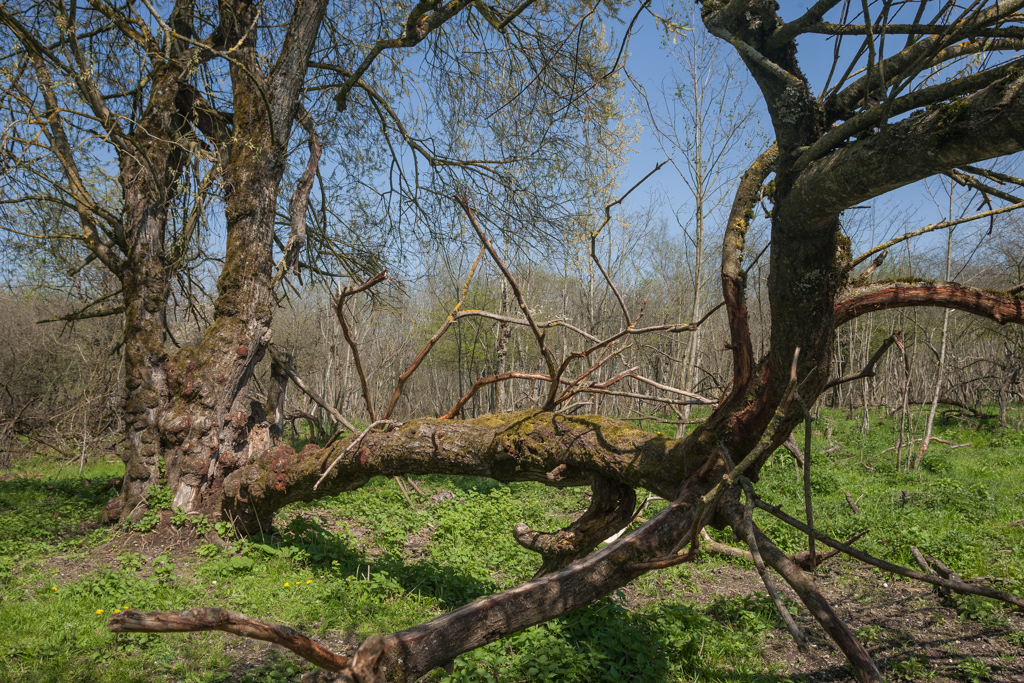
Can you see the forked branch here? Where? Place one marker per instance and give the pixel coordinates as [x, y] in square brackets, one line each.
[549, 360]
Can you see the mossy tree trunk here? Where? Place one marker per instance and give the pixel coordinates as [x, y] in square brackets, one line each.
[191, 408]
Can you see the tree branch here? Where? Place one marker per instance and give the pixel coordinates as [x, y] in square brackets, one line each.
[980, 126]
[300, 201]
[931, 228]
[1001, 307]
[340, 310]
[864, 667]
[733, 275]
[213, 619]
[549, 361]
[869, 368]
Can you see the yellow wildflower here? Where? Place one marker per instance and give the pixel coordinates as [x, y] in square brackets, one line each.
[99, 611]
[117, 611]
[285, 584]
[309, 581]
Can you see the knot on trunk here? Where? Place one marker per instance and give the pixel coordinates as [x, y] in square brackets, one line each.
[611, 508]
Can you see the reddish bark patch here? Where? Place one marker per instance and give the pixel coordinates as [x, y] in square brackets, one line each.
[282, 458]
[362, 458]
[194, 465]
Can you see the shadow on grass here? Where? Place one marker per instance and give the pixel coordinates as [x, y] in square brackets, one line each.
[39, 510]
[338, 554]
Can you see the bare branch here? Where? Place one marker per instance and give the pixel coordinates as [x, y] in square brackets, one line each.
[213, 619]
[746, 531]
[463, 201]
[317, 398]
[593, 241]
[418, 25]
[484, 381]
[856, 301]
[864, 667]
[869, 368]
[931, 228]
[452, 317]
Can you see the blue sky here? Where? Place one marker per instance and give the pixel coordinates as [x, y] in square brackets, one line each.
[908, 208]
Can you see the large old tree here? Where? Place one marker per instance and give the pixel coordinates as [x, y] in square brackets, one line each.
[917, 89]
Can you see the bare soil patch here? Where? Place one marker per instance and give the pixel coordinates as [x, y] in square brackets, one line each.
[896, 619]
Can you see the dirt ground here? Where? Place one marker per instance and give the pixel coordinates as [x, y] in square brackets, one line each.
[895, 619]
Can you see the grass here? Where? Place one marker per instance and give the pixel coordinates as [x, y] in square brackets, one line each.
[365, 562]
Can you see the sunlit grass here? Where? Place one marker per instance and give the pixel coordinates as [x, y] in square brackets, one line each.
[365, 562]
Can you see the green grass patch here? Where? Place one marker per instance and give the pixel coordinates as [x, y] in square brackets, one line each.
[365, 562]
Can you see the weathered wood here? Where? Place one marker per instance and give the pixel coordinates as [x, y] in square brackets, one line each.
[213, 619]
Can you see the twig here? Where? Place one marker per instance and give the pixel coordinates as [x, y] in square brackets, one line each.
[747, 531]
[484, 381]
[713, 546]
[401, 487]
[869, 368]
[803, 558]
[921, 562]
[864, 667]
[597, 231]
[639, 511]
[317, 398]
[452, 317]
[808, 499]
[663, 387]
[463, 201]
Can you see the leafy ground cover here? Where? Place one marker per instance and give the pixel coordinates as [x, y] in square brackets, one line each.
[367, 562]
